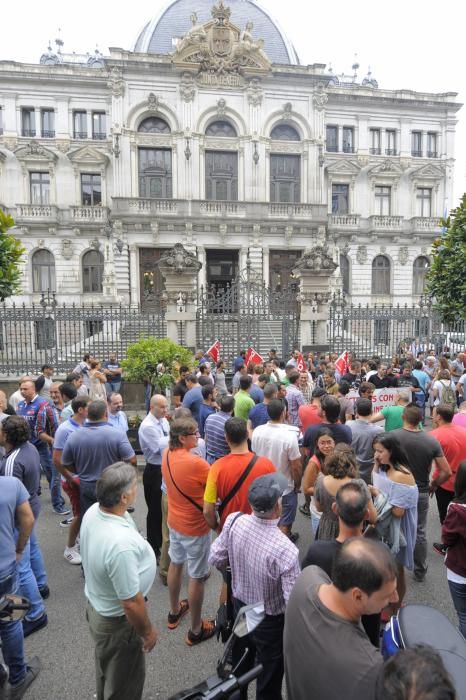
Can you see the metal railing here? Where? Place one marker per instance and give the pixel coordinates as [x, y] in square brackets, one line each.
[432, 154]
[416, 154]
[391, 152]
[80, 134]
[99, 135]
[375, 151]
[28, 132]
[48, 134]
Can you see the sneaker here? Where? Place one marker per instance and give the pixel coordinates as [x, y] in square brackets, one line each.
[66, 522]
[174, 619]
[63, 510]
[31, 626]
[44, 592]
[304, 509]
[32, 671]
[207, 631]
[72, 556]
[440, 548]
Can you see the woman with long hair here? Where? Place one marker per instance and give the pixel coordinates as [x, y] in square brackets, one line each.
[338, 469]
[454, 537]
[97, 380]
[324, 445]
[398, 522]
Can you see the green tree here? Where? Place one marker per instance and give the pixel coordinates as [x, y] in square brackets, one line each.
[447, 279]
[11, 252]
[156, 361]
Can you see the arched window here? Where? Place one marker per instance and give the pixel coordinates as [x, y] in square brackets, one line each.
[221, 128]
[93, 271]
[345, 273]
[420, 269]
[381, 275]
[154, 125]
[43, 271]
[284, 132]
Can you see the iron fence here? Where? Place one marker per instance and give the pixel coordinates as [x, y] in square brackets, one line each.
[59, 335]
[391, 330]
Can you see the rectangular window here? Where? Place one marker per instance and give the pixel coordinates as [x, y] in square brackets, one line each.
[40, 188]
[155, 173]
[28, 122]
[285, 178]
[47, 123]
[382, 332]
[424, 201]
[391, 142]
[99, 126]
[416, 144]
[374, 148]
[332, 139]
[432, 144]
[80, 125]
[340, 199]
[91, 190]
[348, 139]
[382, 200]
[221, 175]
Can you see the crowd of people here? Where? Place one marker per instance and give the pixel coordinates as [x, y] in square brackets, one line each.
[240, 459]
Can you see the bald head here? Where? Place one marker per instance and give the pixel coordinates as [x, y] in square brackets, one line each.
[363, 563]
[158, 406]
[3, 401]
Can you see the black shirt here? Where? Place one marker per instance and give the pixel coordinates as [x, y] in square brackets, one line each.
[341, 433]
[180, 389]
[354, 380]
[384, 382]
[410, 380]
[420, 449]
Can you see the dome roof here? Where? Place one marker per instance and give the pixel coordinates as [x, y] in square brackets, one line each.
[173, 22]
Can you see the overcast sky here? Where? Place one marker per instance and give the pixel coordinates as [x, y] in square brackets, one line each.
[412, 44]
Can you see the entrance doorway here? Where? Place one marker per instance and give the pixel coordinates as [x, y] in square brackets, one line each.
[151, 282]
[222, 269]
[281, 264]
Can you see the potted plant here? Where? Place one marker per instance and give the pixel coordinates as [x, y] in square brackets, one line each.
[133, 427]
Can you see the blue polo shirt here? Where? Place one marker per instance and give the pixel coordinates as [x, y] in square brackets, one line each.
[256, 393]
[119, 421]
[93, 448]
[259, 415]
[192, 400]
[29, 411]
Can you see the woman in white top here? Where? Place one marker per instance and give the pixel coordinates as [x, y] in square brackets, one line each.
[442, 382]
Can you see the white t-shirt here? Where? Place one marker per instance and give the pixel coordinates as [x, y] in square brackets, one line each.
[278, 442]
[440, 385]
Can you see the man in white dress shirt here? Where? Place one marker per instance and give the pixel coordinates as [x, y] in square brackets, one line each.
[153, 439]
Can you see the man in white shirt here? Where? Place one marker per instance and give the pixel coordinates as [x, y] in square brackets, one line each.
[153, 439]
[279, 442]
[116, 416]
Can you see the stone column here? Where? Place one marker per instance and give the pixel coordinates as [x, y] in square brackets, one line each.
[180, 270]
[315, 268]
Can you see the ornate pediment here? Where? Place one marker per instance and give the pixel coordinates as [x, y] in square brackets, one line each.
[343, 167]
[222, 54]
[34, 152]
[428, 172]
[388, 168]
[317, 260]
[179, 261]
[88, 155]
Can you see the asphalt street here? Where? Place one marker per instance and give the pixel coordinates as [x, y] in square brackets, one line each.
[65, 647]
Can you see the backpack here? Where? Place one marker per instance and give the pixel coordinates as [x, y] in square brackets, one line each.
[448, 395]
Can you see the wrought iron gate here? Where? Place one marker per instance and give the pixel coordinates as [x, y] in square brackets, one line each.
[247, 313]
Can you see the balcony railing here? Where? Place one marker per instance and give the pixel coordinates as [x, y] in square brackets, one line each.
[37, 212]
[375, 151]
[222, 208]
[48, 134]
[348, 149]
[80, 135]
[432, 154]
[89, 214]
[99, 135]
[391, 152]
[386, 223]
[331, 149]
[344, 220]
[28, 132]
[416, 154]
[425, 223]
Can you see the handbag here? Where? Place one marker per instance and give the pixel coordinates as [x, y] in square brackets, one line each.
[224, 617]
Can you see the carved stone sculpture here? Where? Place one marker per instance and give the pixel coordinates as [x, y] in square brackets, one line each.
[179, 260]
[317, 259]
[187, 87]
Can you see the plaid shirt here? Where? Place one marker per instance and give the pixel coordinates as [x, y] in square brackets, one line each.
[48, 420]
[264, 562]
[295, 399]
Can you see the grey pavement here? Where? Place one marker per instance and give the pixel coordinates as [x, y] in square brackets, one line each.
[66, 649]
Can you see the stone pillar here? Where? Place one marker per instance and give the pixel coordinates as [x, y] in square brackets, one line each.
[315, 269]
[180, 270]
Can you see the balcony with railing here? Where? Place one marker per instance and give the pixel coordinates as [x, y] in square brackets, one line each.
[416, 154]
[432, 154]
[391, 152]
[423, 224]
[80, 135]
[47, 134]
[386, 223]
[348, 149]
[36, 212]
[99, 135]
[344, 221]
[89, 214]
[28, 133]
[375, 151]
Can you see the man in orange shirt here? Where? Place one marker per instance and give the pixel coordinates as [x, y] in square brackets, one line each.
[185, 476]
[225, 474]
[310, 414]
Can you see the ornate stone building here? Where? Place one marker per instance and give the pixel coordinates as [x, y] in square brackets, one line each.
[210, 133]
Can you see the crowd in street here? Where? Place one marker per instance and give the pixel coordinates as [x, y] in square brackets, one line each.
[242, 454]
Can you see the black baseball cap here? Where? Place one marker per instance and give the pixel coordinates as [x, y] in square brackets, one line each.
[265, 491]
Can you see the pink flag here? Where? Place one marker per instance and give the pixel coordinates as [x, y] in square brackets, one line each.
[214, 351]
[254, 357]
[342, 364]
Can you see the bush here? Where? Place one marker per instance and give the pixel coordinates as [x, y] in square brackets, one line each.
[155, 361]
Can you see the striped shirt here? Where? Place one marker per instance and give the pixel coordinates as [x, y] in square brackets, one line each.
[214, 435]
[23, 462]
[264, 562]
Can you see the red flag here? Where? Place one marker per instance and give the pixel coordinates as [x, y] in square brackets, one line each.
[214, 351]
[300, 364]
[254, 357]
[342, 364]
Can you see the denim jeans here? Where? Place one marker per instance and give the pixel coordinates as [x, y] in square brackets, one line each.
[458, 595]
[420, 549]
[113, 387]
[28, 586]
[37, 560]
[53, 477]
[11, 633]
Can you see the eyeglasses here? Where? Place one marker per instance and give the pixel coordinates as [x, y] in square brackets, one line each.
[195, 433]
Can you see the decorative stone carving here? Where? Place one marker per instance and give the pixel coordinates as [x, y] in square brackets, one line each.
[95, 243]
[317, 259]
[221, 107]
[40, 243]
[67, 248]
[187, 87]
[222, 54]
[223, 230]
[361, 254]
[383, 249]
[320, 97]
[287, 110]
[116, 82]
[403, 254]
[153, 101]
[179, 260]
[254, 92]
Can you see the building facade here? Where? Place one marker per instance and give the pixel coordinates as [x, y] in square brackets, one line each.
[210, 133]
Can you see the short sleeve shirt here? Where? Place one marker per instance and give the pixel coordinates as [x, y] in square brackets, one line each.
[12, 494]
[278, 442]
[243, 404]
[24, 463]
[189, 473]
[95, 447]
